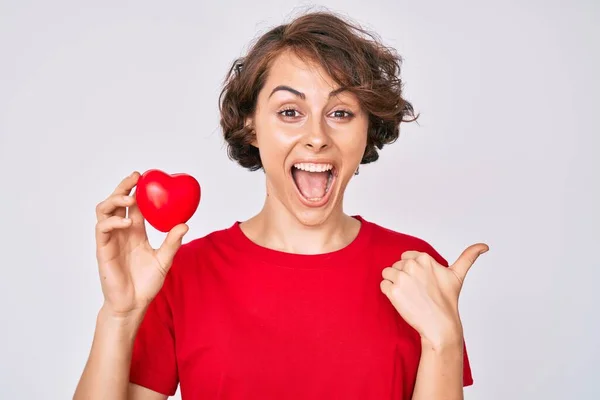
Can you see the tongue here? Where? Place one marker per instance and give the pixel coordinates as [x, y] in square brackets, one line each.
[311, 184]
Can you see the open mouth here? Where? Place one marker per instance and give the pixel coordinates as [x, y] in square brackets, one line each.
[314, 181]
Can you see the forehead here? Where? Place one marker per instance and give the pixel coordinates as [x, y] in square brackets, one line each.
[301, 73]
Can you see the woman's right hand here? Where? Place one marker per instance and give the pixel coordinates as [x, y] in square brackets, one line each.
[131, 271]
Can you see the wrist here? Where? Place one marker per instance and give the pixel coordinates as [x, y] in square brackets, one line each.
[450, 337]
[120, 320]
[442, 345]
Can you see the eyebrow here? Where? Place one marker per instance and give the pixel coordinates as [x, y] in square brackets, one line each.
[302, 95]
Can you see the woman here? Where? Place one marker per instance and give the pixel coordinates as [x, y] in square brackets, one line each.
[300, 301]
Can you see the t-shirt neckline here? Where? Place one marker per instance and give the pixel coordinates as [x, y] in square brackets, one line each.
[250, 249]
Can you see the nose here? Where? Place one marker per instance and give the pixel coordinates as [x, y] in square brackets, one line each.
[317, 138]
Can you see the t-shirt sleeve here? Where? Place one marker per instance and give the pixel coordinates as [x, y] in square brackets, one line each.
[467, 375]
[153, 362]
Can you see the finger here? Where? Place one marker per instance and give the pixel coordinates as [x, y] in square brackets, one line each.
[410, 266]
[123, 189]
[389, 288]
[408, 255]
[399, 265]
[466, 260]
[170, 245]
[391, 274]
[128, 183]
[106, 226]
[386, 287]
[134, 213]
[114, 205]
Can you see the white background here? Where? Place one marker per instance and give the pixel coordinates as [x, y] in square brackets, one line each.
[505, 152]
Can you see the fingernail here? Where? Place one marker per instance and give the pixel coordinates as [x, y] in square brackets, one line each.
[126, 220]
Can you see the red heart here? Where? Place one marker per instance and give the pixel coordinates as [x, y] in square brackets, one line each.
[167, 200]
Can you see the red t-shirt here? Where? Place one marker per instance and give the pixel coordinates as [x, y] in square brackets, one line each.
[235, 320]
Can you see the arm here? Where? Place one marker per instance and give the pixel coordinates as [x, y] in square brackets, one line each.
[425, 293]
[132, 272]
[106, 374]
[440, 373]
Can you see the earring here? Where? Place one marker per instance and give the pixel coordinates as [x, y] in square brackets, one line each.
[356, 172]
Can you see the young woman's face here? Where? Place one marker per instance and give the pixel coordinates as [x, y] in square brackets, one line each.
[311, 138]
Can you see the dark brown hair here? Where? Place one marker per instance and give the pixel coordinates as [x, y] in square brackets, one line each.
[353, 57]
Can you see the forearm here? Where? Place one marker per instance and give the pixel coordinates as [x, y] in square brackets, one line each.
[440, 373]
[106, 374]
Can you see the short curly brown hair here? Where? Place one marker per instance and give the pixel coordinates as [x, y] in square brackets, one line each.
[353, 57]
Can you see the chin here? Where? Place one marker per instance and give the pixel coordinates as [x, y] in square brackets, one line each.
[312, 218]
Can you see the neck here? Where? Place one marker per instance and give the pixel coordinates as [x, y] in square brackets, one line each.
[275, 227]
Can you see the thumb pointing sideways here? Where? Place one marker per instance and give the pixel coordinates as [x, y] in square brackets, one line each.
[466, 260]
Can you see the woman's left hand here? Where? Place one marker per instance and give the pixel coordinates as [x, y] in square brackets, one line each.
[425, 293]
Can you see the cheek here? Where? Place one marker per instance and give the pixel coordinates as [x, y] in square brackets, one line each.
[275, 141]
[270, 153]
[273, 152]
[353, 146]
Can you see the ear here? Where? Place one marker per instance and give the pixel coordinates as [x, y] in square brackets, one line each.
[249, 124]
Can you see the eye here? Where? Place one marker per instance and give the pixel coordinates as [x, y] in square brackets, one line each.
[289, 113]
[342, 114]
[292, 113]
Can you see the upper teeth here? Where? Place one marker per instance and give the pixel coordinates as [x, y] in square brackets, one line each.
[310, 167]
